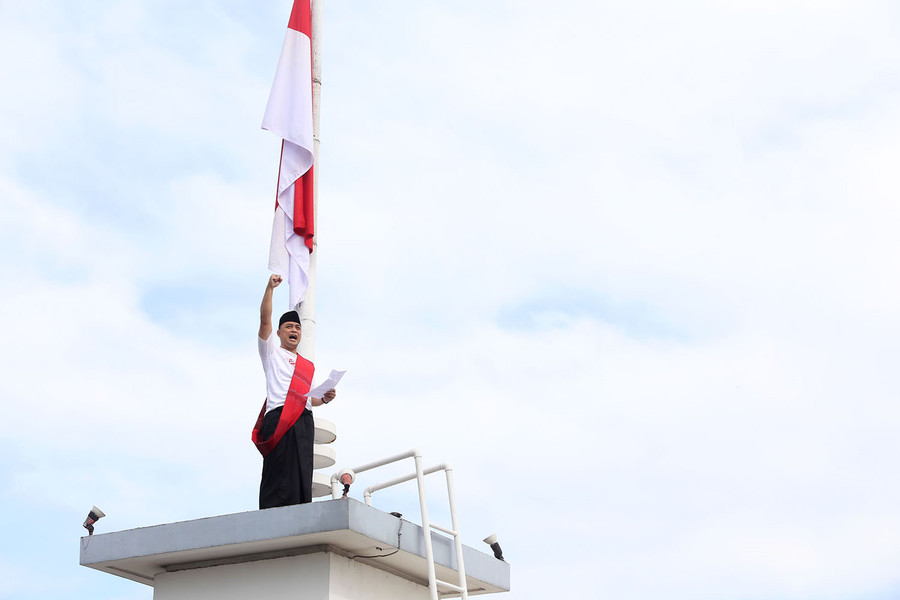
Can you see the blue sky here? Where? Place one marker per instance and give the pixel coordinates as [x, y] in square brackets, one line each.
[642, 255]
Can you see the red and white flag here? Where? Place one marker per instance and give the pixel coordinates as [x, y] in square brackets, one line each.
[289, 115]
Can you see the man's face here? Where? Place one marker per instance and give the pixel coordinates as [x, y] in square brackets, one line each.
[289, 334]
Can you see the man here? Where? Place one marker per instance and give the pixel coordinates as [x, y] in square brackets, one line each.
[285, 430]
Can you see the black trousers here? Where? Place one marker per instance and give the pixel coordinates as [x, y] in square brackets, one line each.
[288, 469]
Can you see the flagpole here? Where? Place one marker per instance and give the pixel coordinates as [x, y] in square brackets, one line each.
[307, 308]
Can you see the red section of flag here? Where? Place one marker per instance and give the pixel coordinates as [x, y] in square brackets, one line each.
[301, 17]
[303, 208]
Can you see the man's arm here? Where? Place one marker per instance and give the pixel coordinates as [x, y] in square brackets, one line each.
[265, 309]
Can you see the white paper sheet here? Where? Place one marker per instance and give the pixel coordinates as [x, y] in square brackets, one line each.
[328, 384]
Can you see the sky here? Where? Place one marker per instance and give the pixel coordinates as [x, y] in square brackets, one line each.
[630, 268]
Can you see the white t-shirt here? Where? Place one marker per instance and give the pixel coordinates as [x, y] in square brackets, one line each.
[278, 365]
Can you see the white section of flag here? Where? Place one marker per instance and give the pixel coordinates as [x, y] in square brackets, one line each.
[289, 116]
[289, 110]
[288, 253]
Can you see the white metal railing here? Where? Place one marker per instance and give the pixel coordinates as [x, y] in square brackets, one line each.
[427, 526]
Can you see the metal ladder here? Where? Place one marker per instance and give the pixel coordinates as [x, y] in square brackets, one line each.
[427, 525]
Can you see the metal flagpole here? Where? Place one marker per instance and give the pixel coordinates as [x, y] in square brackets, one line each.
[307, 309]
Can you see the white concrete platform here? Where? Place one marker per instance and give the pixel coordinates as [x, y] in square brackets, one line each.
[335, 530]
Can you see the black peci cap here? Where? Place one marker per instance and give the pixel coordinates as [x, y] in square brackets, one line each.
[290, 316]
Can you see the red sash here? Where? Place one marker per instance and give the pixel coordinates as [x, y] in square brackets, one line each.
[294, 405]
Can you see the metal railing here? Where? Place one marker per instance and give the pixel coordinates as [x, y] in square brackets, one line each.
[427, 525]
